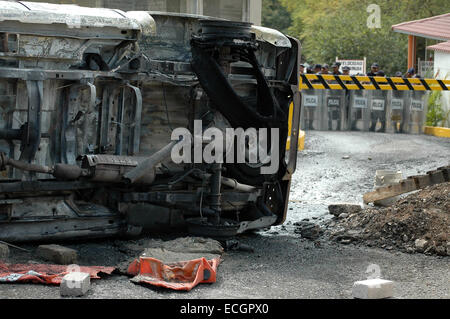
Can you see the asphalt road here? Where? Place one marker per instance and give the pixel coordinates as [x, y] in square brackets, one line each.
[335, 167]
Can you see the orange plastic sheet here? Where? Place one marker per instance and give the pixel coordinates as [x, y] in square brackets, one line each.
[183, 275]
[45, 274]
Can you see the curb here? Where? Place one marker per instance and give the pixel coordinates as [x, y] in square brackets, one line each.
[437, 131]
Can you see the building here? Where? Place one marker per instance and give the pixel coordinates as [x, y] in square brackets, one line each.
[423, 34]
[237, 10]
[429, 39]
[442, 70]
[441, 59]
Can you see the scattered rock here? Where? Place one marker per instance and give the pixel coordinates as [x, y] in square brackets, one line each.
[353, 233]
[308, 230]
[57, 254]
[343, 215]
[4, 251]
[338, 209]
[420, 244]
[188, 245]
[429, 250]
[441, 250]
[234, 244]
[311, 233]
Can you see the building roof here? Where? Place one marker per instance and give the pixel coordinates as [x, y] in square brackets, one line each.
[442, 47]
[437, 27]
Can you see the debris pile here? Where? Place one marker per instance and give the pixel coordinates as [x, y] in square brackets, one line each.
[419, 222]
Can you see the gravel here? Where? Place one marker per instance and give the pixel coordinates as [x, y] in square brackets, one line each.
[284, 263]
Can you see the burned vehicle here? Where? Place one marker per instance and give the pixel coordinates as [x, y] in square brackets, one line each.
[90, 99]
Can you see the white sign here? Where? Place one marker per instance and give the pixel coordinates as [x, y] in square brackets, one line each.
[416, 105]
[356, 66]
[360, 103]
[397, 104]
[378, 105]
[311, 100]
[334, 102]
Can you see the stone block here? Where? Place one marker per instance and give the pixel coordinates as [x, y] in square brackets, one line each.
[75, 284]
[57, 254]
[373, 289]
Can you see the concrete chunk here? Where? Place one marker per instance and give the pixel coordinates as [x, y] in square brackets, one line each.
[373, 289]
[4, 251]
[344, 208]
[421, 244]
[57, 254]
[75, 284]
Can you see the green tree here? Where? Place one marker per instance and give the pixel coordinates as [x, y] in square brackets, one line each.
[275, 15]
[330, 28]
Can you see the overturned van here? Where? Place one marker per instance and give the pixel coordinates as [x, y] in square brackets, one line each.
[116, 122]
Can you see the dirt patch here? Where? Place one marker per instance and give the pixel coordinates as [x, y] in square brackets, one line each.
[419, 222]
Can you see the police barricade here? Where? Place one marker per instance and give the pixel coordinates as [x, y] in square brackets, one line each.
[334, 111]
[396, 114]
[377, 104]
[359, 111]
[312, 101]
[417, 109]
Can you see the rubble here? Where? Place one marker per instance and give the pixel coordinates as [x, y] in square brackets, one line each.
[57, 254]
[234, 244]
[420, 244]
[4, 251]
[308, 230]
[417, 223]
[338, 209]
[188, 245]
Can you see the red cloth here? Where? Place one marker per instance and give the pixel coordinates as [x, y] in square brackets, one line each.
[183, 275]
[45, 274]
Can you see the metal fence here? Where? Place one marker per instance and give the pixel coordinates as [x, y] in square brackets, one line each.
[364, 110]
